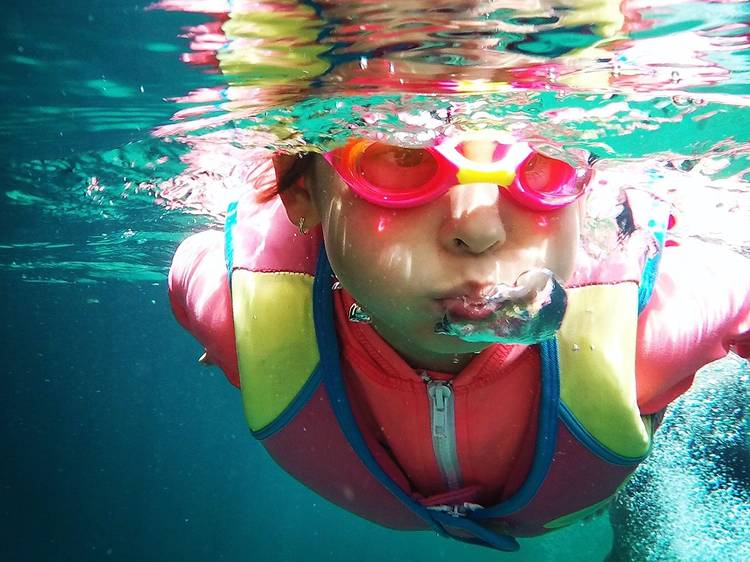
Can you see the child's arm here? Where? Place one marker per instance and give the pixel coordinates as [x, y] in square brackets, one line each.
[700, 310]
[200, 298]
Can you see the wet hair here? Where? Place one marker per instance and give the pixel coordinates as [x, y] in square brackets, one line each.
[302, 165]
[267, 190]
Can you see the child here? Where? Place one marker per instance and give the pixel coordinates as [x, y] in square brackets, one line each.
[419, 337]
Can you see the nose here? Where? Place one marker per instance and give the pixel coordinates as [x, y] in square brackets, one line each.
[474, 224]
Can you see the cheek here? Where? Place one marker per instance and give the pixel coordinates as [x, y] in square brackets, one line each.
[364, 245]
[351, 226]
[371, 251]
[376, 259]
[361, 239]
[547, 239]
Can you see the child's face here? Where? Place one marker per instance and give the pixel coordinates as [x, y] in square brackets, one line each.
[402, 265]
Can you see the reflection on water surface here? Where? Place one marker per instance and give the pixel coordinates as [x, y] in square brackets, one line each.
[655, 91]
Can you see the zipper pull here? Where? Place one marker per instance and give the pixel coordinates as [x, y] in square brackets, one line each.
[440, 396]
[443, 430]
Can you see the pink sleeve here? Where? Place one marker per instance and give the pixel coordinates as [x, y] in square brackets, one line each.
[200, 298]
[699, 310]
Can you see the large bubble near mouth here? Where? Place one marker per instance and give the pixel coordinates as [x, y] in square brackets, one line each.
[527, 312]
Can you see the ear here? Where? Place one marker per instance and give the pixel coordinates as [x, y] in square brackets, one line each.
[296, 198]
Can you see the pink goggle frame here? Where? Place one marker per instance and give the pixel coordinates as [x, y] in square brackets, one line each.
[400, 177]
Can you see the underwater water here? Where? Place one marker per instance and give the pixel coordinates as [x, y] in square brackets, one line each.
[126, 128]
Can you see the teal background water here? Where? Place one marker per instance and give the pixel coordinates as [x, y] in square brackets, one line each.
[118, 445]
[72, 75]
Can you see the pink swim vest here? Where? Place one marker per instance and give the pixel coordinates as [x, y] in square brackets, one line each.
[590, 434]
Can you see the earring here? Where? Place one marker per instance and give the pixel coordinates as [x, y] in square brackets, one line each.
[301, 225]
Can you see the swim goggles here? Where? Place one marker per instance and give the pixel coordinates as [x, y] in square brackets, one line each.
[401, 177]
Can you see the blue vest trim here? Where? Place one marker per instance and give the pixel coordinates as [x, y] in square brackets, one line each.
[546, 437]
[658, 229]
[334, 382]
[294, 407]
[330, 360]
[648, 280]
[482, 536]
[592, 444]
[229, 226]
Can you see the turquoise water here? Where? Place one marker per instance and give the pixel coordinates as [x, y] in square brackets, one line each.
[119, 446]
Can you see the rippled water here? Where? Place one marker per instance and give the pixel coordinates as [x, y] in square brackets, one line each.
[167, 103]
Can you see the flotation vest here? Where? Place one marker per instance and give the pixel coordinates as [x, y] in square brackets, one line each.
[590, 433]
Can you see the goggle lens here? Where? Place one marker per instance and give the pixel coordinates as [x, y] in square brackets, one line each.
[394, 169]
[546, 183]
[544, 175]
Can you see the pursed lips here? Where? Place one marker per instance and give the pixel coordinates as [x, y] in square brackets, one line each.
[470, 301]
[465, 308]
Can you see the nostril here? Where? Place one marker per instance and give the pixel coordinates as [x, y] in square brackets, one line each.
[478, 247]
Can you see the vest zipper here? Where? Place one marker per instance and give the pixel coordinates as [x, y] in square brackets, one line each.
[443, 429]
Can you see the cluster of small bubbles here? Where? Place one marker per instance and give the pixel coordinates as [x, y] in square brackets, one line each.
[691, 498]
